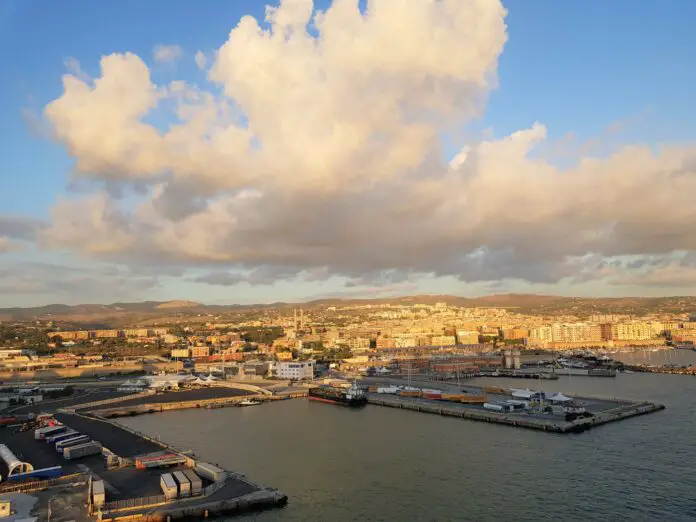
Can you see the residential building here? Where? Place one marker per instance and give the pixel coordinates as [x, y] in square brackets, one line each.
[358, 344]
[444, 340]
[106, 334]
[180, 353]
[467, 337]
[385, 342]
[635, 331]
[200, 351]
[515, 333]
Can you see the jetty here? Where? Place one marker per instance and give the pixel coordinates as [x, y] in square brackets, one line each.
[522, 420]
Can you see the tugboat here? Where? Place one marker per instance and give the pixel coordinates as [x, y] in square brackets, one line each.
[353, 396]
[249, 402]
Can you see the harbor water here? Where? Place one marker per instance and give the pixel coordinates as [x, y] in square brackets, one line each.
[383, 464]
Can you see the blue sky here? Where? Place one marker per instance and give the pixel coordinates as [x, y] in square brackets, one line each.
[617, 72]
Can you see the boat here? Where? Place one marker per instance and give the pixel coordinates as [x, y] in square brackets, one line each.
[353, 396]
[249, 402]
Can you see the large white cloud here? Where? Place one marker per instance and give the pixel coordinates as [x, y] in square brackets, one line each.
[323, 156]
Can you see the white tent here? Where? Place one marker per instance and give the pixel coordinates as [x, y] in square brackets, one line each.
[523, 394]
[558, 397]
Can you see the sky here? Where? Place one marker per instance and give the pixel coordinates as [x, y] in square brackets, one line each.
[249, 151]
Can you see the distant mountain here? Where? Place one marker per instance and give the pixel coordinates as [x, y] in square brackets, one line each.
[123, 313]
[169, 305]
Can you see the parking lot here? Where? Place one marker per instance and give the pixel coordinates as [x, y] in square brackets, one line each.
[123, 443]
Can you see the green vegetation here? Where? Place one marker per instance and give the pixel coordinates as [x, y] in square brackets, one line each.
[262, 335]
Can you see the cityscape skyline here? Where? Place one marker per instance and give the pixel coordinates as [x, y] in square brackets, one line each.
[434, 148]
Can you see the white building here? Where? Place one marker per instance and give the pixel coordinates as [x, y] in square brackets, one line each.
[293, 369]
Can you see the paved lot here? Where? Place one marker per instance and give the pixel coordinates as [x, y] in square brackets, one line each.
[39, 453]
[186, 395]
[118, 440]
[80, 397]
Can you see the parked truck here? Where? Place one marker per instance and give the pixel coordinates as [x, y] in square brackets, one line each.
[72, 441]
[168, 485]
[183, 483]
[82, 450]
[195, 480]
[210, 472]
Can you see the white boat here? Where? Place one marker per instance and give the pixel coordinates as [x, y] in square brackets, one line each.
[249, 402]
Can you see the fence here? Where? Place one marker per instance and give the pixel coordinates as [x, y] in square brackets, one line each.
[39, 485]
[215, 486]
[119, 505]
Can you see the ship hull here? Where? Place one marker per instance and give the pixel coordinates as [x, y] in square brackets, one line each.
[339, 401]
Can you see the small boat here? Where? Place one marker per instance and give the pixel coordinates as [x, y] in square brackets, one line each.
[249, 402]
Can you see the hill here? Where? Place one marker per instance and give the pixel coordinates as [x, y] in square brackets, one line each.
[121, 313]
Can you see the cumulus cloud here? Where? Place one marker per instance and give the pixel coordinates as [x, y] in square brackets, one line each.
[323, 157]
[201, 60]
[166, 53]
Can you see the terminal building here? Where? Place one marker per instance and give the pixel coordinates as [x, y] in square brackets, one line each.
[297, 370]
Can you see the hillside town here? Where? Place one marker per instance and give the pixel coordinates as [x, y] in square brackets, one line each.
[274, 342]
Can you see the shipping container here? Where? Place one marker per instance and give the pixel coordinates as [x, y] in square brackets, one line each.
[455, 397]
[67, 434]
[474, 399]
[183, 482]
[195, 480]
[74, 441]
[82, 450]
[410, 394]
[42, 433]
[494, 389]
[43, 473]
[168, 485]
[98, 494]
[210, 472]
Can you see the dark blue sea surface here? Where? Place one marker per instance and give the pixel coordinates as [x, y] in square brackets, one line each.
[382, 464]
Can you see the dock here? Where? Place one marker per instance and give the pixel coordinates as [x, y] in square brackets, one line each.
[603, 411]
[130, 466]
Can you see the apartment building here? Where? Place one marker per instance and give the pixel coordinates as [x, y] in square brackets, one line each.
[515, 333]
[467, 337]
[634, 331]
[180, 353]
[107, 334]
[136, 332]
[444, 340]
[200, 351]
[358, 344]
[386, 342]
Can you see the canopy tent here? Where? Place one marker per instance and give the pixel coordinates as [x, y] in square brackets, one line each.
[558, 397]
[523, 394]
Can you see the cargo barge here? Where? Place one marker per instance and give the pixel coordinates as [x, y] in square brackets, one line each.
[353, 396]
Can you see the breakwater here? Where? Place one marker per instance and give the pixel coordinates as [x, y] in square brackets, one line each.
[157, 407]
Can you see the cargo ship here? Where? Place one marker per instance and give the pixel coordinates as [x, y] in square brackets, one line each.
[353, 396]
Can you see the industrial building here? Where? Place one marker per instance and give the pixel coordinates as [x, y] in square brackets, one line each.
[296, 370]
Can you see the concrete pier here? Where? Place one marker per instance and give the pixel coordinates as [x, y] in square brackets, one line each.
[539, 422]
[157, 407]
